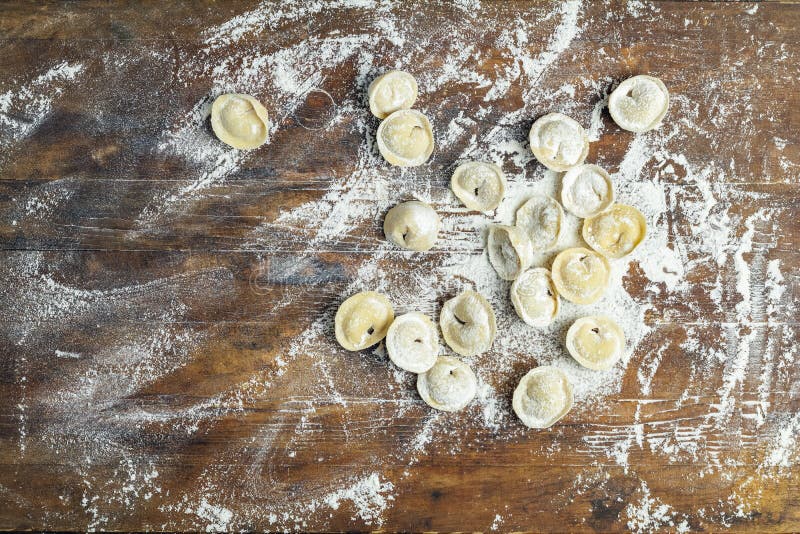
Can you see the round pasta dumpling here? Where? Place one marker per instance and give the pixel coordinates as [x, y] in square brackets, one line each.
[543, 396]
[413, 225]
[363, 320]
[558, 142]
[240, 121]
[596, 342]
[447, 386]
[509, 250]
[542, 219]
[390, 92]
[639, 103]
[535, 297]
[581, 275]
[405, 138]
[617, 232]
[586, 190]
[412, 342]
[479, 185]
[468, 323]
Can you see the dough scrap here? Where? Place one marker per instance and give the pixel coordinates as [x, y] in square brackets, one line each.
[586, 190]
[535, 297]
[413, 225]
[447, 386]
[596, 342]
[240, 121]
[639, 103]
[390, 92]
[558, 142]
[468, 323]
[617, 232]
[363, 320]
[509, 249]
[543, 396]
[581, 275]
[479, 185]
[405, 138]
[542, 219]
[412, 342]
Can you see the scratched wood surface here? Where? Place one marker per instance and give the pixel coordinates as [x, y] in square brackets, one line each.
[88, 281]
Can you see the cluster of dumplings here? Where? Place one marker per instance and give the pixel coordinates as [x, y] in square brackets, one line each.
[580, 275]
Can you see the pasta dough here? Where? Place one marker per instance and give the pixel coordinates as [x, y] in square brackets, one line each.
[468, 324]
[639, 103]
[535, 297]
[363, 320]
[412, 342]
[448, 386]
[558, 142]
[543, 396]
[542, 218]
[405, 138]
[580, 275]
[413, 225]
[596, 342]
[586, 190]
[239, 121]
[390, 92]
[617, 232]
[509, 250]
[479, 185]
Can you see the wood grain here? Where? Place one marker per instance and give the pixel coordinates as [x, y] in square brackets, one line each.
[177, 310]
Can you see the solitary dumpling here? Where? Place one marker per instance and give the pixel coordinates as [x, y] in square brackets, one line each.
[596, 342]
[468, 324]
[413, 225]
[448, 386]
[639, 103]
[239, 121]
[509, 250]
[412, 342]
[543, 396]
[541, 217]
[389, 92]
[479, 185]
[363, 320]
[586, 190]
[405, 138]
[617, 232]
[535, 297]
[581, 275]
[558, 142]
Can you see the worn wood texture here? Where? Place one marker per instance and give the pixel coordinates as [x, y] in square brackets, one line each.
[146, 380]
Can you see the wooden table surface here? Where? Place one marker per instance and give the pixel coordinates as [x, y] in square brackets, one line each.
[167, 357]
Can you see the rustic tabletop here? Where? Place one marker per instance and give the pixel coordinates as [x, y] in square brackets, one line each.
[168, 360]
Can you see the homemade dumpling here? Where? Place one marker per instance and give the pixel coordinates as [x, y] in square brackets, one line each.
[543, 396]
[638, 104]
[390, 92]
[239, 121]
[558, 142]
[448, 386]
[586, 190]
[413, 225]
[412, 342]
[542, 218]
[596, 342]
[580, 275]
[617, 232]
[405, 138]
[535, 297]
[468, 324]
[509, 250]
[479, 185]
[363, 320]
